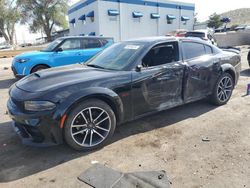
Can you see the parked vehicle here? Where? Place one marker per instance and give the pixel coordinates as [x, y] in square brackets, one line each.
[63, 51]
[178, 33]
[6, 47]
[242, 28]
[202, 34]
[83, 103]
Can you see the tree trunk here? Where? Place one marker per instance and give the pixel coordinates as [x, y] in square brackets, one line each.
[5, 36]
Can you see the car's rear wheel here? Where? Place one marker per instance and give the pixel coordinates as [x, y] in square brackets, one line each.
[90, 125]
[38, 68]
[223, 89]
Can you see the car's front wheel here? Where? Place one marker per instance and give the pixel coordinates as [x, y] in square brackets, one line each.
[38, 68]
[223, 89]
[89, 125]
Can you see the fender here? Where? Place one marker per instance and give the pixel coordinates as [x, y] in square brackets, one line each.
[229, 68]
[93, 92]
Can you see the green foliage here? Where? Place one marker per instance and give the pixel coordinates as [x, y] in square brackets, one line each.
[9, 16]
[214, 21]
[44, 15]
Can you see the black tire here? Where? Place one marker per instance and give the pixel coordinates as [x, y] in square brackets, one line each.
[38, 68]
[216, 98]
[75, 118]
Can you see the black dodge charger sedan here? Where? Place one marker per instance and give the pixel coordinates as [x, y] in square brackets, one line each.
[82, 104]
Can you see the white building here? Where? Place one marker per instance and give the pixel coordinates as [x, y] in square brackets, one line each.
[125, 19]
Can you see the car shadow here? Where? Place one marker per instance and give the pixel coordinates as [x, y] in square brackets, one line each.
[18, 161]
[245, 73]
[5, 84]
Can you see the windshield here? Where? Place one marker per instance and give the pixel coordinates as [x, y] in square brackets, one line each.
[52, 45]
[116, 57]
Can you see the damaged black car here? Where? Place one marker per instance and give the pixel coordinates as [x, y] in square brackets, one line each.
[82, 104]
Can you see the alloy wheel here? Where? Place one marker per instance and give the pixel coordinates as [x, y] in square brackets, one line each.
[225, 89]
[90, 127]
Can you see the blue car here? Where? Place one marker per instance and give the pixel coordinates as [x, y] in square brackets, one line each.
[62, 51]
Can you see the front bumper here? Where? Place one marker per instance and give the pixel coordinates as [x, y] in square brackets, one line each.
[15, 73]
[36, 129]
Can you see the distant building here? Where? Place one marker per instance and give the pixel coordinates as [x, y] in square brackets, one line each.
[202, 25]
[125, 19]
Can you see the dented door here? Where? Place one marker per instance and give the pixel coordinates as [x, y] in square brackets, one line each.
[157, 88]
[202, 73]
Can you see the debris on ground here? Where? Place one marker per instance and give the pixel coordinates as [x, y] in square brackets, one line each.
[206, 139]
[100, 176]
[5, 68]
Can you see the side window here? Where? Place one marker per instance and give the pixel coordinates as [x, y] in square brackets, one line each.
[71, 44]
[91, 43]
[161, 54]
[192, 50]
[104, 42]
[208, 49]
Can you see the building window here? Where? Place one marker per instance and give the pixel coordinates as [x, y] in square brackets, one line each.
[170, 18]
[137, 14]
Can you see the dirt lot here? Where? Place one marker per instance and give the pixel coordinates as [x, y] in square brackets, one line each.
[170, 141]
[12, 53]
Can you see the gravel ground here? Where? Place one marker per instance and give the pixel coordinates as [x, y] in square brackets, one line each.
[172, 140]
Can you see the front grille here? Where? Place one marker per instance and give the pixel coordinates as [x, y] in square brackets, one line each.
[34, 132]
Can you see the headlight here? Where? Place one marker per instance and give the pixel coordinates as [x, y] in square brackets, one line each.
[22, 60]
[39, 105]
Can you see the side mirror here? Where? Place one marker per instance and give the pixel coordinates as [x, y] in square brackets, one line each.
[59, 50]
[138, 68]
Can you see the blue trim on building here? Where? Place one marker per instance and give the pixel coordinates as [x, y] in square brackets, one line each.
[113, 12]
[155, 15]
[135, 2]
[171, 17]
[137, 14]
[83, 17]
[73, 21]
[81, 5]
[91, 14]
[185, 18]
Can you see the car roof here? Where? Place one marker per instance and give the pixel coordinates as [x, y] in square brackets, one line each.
[154, 40]
[85, 37]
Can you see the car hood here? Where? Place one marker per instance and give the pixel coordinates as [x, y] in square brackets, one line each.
[33, 54]
[54, 78]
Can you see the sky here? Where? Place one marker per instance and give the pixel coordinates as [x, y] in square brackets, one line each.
[203, 8]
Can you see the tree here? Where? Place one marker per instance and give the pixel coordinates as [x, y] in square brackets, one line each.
[44, 15]
[9, 16]
[214, 21]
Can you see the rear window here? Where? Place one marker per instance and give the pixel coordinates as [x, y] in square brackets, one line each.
[208, 49]
[192, 50]
[195, 34]
[91, 43]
